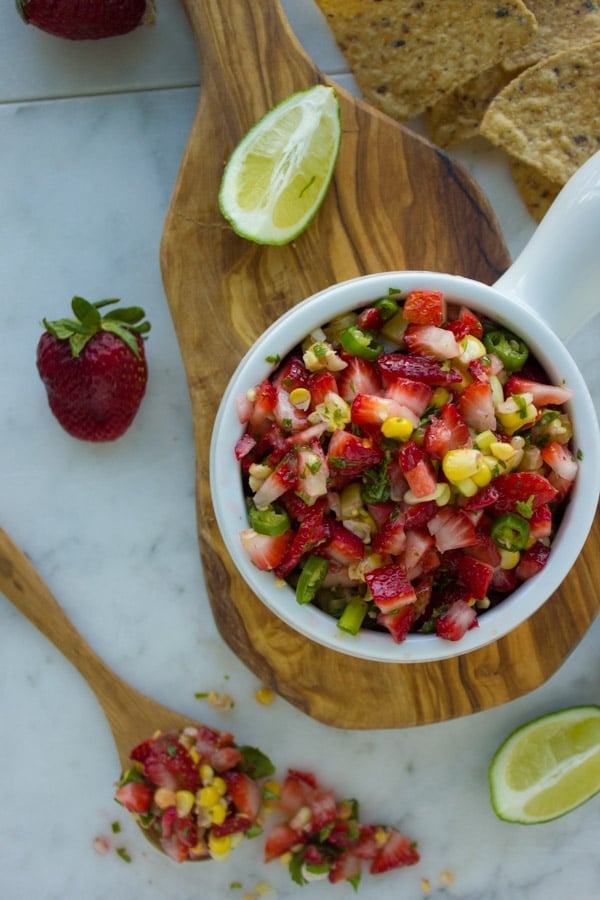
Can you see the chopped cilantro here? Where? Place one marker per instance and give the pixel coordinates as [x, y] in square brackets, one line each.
[122, 852]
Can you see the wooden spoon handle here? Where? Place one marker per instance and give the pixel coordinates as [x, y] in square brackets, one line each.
[24, 587]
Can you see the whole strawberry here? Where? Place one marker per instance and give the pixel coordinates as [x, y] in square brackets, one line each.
[80, 20]
[94, 368]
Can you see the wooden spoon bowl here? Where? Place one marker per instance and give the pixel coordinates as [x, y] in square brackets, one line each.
[131, 715]
[396, 202]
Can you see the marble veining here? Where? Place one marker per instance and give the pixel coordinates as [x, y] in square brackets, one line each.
[91, 139]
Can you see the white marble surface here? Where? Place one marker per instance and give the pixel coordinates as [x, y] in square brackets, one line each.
[90, 142]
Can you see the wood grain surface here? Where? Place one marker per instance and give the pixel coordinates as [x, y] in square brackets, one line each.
[396, 202]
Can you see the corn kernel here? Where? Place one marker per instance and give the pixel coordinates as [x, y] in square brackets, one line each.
[461, 464]
[509, 559]
[300, 398]
[471, 348]
[484, 440]
[515, 414]
[381, 836]
[194, 755]
[264, 696]
[208, 797]
[502, 450]
[184, 802]
[220, 844]
[351, 502]
[397, 427]
[163, 797]
[482, 476]
[206, 773]
[439, 397]
[272, 789]
[442, 495]
[286, 858]
[218, 813]
[219, 785]
[467, 487]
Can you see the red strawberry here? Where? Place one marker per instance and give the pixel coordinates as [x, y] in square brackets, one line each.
[418, 543]
[456, 621]
[452, 529]
[399, 622]
[533, 561]
[169, 765]
[263, 403]
[281, 479]
[370, 411]
[323, 807]
[136, 796]
[477, 406]
[543, 394]
[344, 546]
[446, 431]
[345, 867]
[313, 531]
[397, 851]
[370, 319]
[359, 377]
[94, 369]
[419, 368]
[291, 374]
[425, 307]
[390, 587]
[244, 792]
[466, 323]
[431, 341]
[80, 20]
[540, 523]
[265, 550]
[521, 487]
[320, 384]
[349, 455]
[417, 469]
[280, 839]
[391, 538]
[412, 396]
[475, 575]
[561, 460]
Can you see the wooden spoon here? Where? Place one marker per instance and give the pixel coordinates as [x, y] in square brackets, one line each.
[132, 716]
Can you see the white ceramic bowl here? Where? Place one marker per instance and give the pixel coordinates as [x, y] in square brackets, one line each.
[564, 296]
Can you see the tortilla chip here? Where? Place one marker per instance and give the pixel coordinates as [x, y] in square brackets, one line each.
[549, 115]
[456, 117]
[562, 24]
[537, 192]
[405, 54]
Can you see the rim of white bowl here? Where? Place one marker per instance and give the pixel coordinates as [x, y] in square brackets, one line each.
[284, 334]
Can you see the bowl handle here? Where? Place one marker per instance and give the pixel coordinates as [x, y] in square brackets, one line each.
[558, 272]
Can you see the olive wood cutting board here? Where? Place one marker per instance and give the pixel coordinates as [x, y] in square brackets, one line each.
[396, 202]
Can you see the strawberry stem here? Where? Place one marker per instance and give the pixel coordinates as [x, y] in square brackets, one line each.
[125, 323]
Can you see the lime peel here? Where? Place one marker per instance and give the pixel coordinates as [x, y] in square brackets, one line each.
[277, 176]
[547, 767]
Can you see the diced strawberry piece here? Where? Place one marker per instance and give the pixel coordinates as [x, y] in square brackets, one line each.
[424, 307]
[344, 546]
[466, 323]
[561, 460]
[504, 580]
[452, 529]
[263, 405]
[453, 624]
[345, 867]
[397, 851]
[320, 384]
[301, 775]
[136, 796]
[485, 550]
[186, 831]
[380, 512]
[244, 792]
[370, 319]
[521, 487]
[418, 543]
[419, 368]
[477, 406]
[533, 561]
[349, 455]
[399, 622]
[416, 515]
[313, 531]
[280, 839]
[391, 537]
[265, 550]
[142, 751]
[169, 765]
[484, 497]
[371, 411]
[367, 846]
[313, 856]
[417, 469]
[323, 809]
[289, 417]
[540, 522]
[232, 825]
[475, 575]
[543, 394]
[431, 341]
[168, 821]
[412, 396]
[291, 374]
[312, 472]
[298, 509]
[294, 794]
[359, 377]
[244, 445]
[390, 587]
[446, 431]
[174, 849]
[225, 758]
[281, 479]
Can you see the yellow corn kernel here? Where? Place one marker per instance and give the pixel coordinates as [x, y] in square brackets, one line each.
[502, 450]
[334, 410]
[439, 397]
[461, 464]
[397, 427]
[514, 415]
[484, 440]
[286, 858]
[264, 696]
[471, 348]
[442, 495]
[381, 835]
[300, 398]
[272, 789]
[194, 755]
[184, 802]
[509, 559]
[219, 846]
[163, 797]
[351, 502]
[467, 487]
[218, 813]
[483, 475]
[208, 797]
[219, 785]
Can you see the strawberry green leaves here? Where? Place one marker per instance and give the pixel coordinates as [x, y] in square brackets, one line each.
[124, 322]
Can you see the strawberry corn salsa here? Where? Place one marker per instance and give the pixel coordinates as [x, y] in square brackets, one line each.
[406, 467]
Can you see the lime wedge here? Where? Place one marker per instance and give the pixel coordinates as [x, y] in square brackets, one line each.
[547, 767]
[278, 175]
